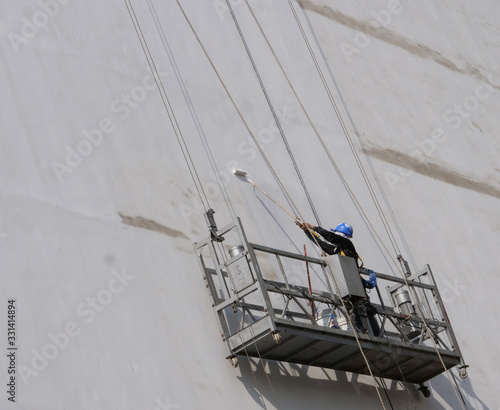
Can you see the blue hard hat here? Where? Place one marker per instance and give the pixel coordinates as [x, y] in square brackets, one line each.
[345, 229]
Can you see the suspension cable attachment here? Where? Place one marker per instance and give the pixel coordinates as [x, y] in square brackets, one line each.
[212, 225]
[463, 371]
[404, 265]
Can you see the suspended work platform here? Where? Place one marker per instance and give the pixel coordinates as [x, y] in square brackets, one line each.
[265, 311]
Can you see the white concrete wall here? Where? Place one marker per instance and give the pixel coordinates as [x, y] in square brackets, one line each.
[112, 312]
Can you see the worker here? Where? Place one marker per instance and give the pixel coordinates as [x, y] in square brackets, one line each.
[338, 240]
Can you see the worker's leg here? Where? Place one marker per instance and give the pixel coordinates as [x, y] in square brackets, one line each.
[353, 307]
[371, 312]
[374, 325]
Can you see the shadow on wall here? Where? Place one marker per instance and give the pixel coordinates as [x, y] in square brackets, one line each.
[465, 390]
[296, 386]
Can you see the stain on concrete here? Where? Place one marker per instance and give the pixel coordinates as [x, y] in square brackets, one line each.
[395, 39]
[432, 170]
[109, 259]
[140, 222]
[477, 126]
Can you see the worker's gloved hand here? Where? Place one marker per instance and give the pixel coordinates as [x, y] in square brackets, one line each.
[300, 224]
[303, 225]
[371, 282]
[372, 279]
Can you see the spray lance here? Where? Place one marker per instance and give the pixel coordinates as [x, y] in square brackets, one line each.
[243, 174]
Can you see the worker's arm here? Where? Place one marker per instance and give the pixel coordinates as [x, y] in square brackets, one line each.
[328, 235]
[310, 230]
[342, 243]
[328, 248]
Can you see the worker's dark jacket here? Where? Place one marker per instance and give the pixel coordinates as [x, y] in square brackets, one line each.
[336, 243]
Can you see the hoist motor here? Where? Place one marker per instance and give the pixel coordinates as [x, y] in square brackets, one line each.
[346, 274]
[403, 302]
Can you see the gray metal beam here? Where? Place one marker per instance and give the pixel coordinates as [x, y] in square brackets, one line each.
[287, 254]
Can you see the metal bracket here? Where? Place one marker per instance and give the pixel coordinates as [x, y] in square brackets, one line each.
[404, 265]
[212, 226]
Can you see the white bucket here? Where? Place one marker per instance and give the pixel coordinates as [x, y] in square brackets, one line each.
[325, 318]
[343, 323]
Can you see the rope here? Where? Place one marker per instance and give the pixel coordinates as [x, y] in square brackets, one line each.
[281, 184]
[252, 370]
[168, 107]
[382, 381]
[243, 342]
[430, 334]
[369, 161]
[224, 256]
[326, 149]
[182, 84]
[271, 107]
[330, 156]
[244, 122]
[264, 368]
[369, 186]
[353, 327]
[271, 198]
[360, 165]
[458, 387]
[346, 134]
[252, 135]
[178, 134]
[401, 373]
[183, 146]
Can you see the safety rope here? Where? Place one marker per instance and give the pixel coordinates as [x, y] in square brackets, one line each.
[282, 186]
[243, 120]
[186, 154]
[369, 186]
[224, 257]
[346, 184]
[346, 133]
[252, 135]
[195, 119]
[190, 163]
[168, 107]
[264, 367]
[353, 327]
[461, 395]
[330, 156]
[271, 107]
[431, 337]
[382, 381]
[391, 347]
